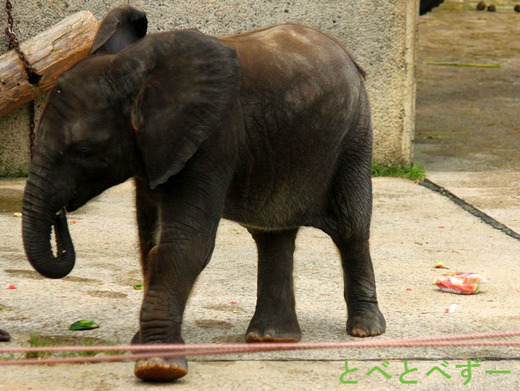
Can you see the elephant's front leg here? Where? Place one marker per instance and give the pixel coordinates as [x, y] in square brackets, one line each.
[147, 214]
[169, 277]
[275, 316]
[147, 218]
[185, 245]
[170, 273]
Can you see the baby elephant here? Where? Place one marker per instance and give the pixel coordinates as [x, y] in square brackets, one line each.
[270, 128]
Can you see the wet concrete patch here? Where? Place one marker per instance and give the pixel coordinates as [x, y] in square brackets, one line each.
[37, 340]
[65, 340]
[4, 307]
[219, 307]
[81, 279]
[229, 338]
[109, 294]
[29, 274]
[213, 324]
[10, 200]
[34, 275]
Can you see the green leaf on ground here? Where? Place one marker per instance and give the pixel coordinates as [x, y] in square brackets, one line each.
[83, 325]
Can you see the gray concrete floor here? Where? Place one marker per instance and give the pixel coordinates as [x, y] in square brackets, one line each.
[407, 240]
[412, 229]
[467, 124]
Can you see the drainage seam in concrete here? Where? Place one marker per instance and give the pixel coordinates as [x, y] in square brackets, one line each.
[470, 208]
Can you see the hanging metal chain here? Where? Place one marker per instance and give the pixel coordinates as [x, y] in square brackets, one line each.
[14, 44]
[32, 76]
[9, 30]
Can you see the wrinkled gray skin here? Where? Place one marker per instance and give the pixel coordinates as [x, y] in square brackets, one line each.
[271, 129]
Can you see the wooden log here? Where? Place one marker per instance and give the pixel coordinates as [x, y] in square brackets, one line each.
[50, 53]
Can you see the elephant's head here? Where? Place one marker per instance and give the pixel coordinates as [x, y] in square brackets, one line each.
[140, 104]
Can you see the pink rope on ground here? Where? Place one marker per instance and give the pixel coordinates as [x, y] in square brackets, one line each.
[177, 350]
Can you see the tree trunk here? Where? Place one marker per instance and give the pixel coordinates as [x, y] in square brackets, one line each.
[50, 53]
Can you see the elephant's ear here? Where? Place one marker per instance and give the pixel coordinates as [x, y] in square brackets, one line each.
[189, 93]
[121, 27]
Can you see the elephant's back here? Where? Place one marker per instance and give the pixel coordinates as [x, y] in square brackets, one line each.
[287, 53]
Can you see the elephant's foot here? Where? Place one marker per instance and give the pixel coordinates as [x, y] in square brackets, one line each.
[273, 329]
[136, 339]
[4, 336]
[366, 321]
[161, 369]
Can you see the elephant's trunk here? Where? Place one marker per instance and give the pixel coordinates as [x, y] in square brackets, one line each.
[38, 218]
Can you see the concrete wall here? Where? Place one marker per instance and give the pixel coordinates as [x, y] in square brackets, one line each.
[380, 34]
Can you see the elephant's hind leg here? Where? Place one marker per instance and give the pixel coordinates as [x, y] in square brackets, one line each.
[364, 317]
[351, 208]
[275, 316]
[350, 211]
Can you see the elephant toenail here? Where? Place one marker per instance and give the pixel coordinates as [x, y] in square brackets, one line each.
[156, 362]
[359, 333]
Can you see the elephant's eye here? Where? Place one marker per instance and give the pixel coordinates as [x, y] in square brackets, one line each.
[81, 151]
